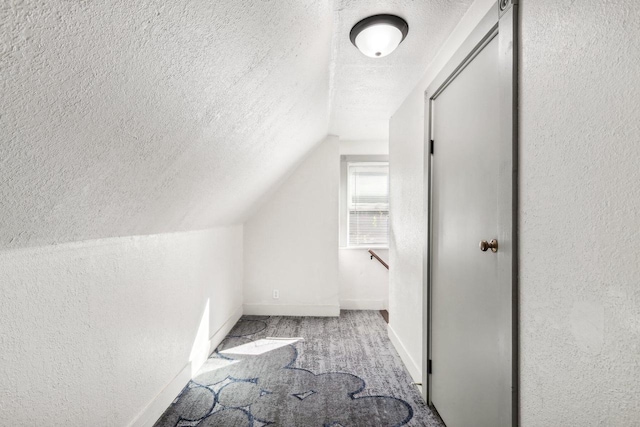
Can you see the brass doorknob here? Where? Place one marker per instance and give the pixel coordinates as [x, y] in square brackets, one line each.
[493, 245]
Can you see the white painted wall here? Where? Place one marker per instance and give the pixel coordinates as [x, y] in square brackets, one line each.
[406, 234]
[91, 333]
[291, 242]
[579, 293]
[579, 222]
[407, 214]
[364, 283]
[364, 147]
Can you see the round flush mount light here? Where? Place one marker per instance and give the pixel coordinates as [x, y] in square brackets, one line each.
[379, 35]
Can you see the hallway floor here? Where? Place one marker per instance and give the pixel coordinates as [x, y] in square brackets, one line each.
[345, 372]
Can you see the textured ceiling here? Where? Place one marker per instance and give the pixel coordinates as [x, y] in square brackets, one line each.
[137, 117]
[366, 91]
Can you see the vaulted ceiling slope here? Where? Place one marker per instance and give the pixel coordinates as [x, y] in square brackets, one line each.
[127, 117]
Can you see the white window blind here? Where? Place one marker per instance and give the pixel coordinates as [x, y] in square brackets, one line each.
[368, 204]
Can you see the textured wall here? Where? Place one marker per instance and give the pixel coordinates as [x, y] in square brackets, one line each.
[291, 242]
[580, 198]
[580, 151]
[125, 118]
[91, 332]
[406, 228]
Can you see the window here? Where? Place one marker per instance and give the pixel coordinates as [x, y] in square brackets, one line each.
[368, 204]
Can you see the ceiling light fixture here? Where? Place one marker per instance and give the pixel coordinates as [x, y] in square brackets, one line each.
[379, 35]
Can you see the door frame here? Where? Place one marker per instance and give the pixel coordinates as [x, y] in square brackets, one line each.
[502, 22]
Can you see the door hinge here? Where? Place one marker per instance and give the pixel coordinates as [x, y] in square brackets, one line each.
[429, 366]
[431, 144]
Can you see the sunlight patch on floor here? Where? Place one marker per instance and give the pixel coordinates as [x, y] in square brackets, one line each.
[261, 346]
[214, 364]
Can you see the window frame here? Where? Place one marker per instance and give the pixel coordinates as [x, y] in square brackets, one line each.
[345, 160]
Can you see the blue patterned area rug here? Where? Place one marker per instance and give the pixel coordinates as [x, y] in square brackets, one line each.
[344, 372]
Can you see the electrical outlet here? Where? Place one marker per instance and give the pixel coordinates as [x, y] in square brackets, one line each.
[276, 294]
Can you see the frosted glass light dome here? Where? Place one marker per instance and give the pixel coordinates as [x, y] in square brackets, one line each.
[377, 36]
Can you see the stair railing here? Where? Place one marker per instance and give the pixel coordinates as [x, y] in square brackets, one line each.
[375, 255]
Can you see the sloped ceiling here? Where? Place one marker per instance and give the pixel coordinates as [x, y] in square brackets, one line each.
[128, 117]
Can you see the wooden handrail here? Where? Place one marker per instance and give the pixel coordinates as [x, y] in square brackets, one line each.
[375, 255]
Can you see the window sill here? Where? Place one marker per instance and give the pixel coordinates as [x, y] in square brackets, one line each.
[363, 248]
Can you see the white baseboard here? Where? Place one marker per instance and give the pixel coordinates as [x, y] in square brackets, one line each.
[156, 408]
[414, 369]
[292, 310]
[222, 332]
[359, 304]
[161, 402]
